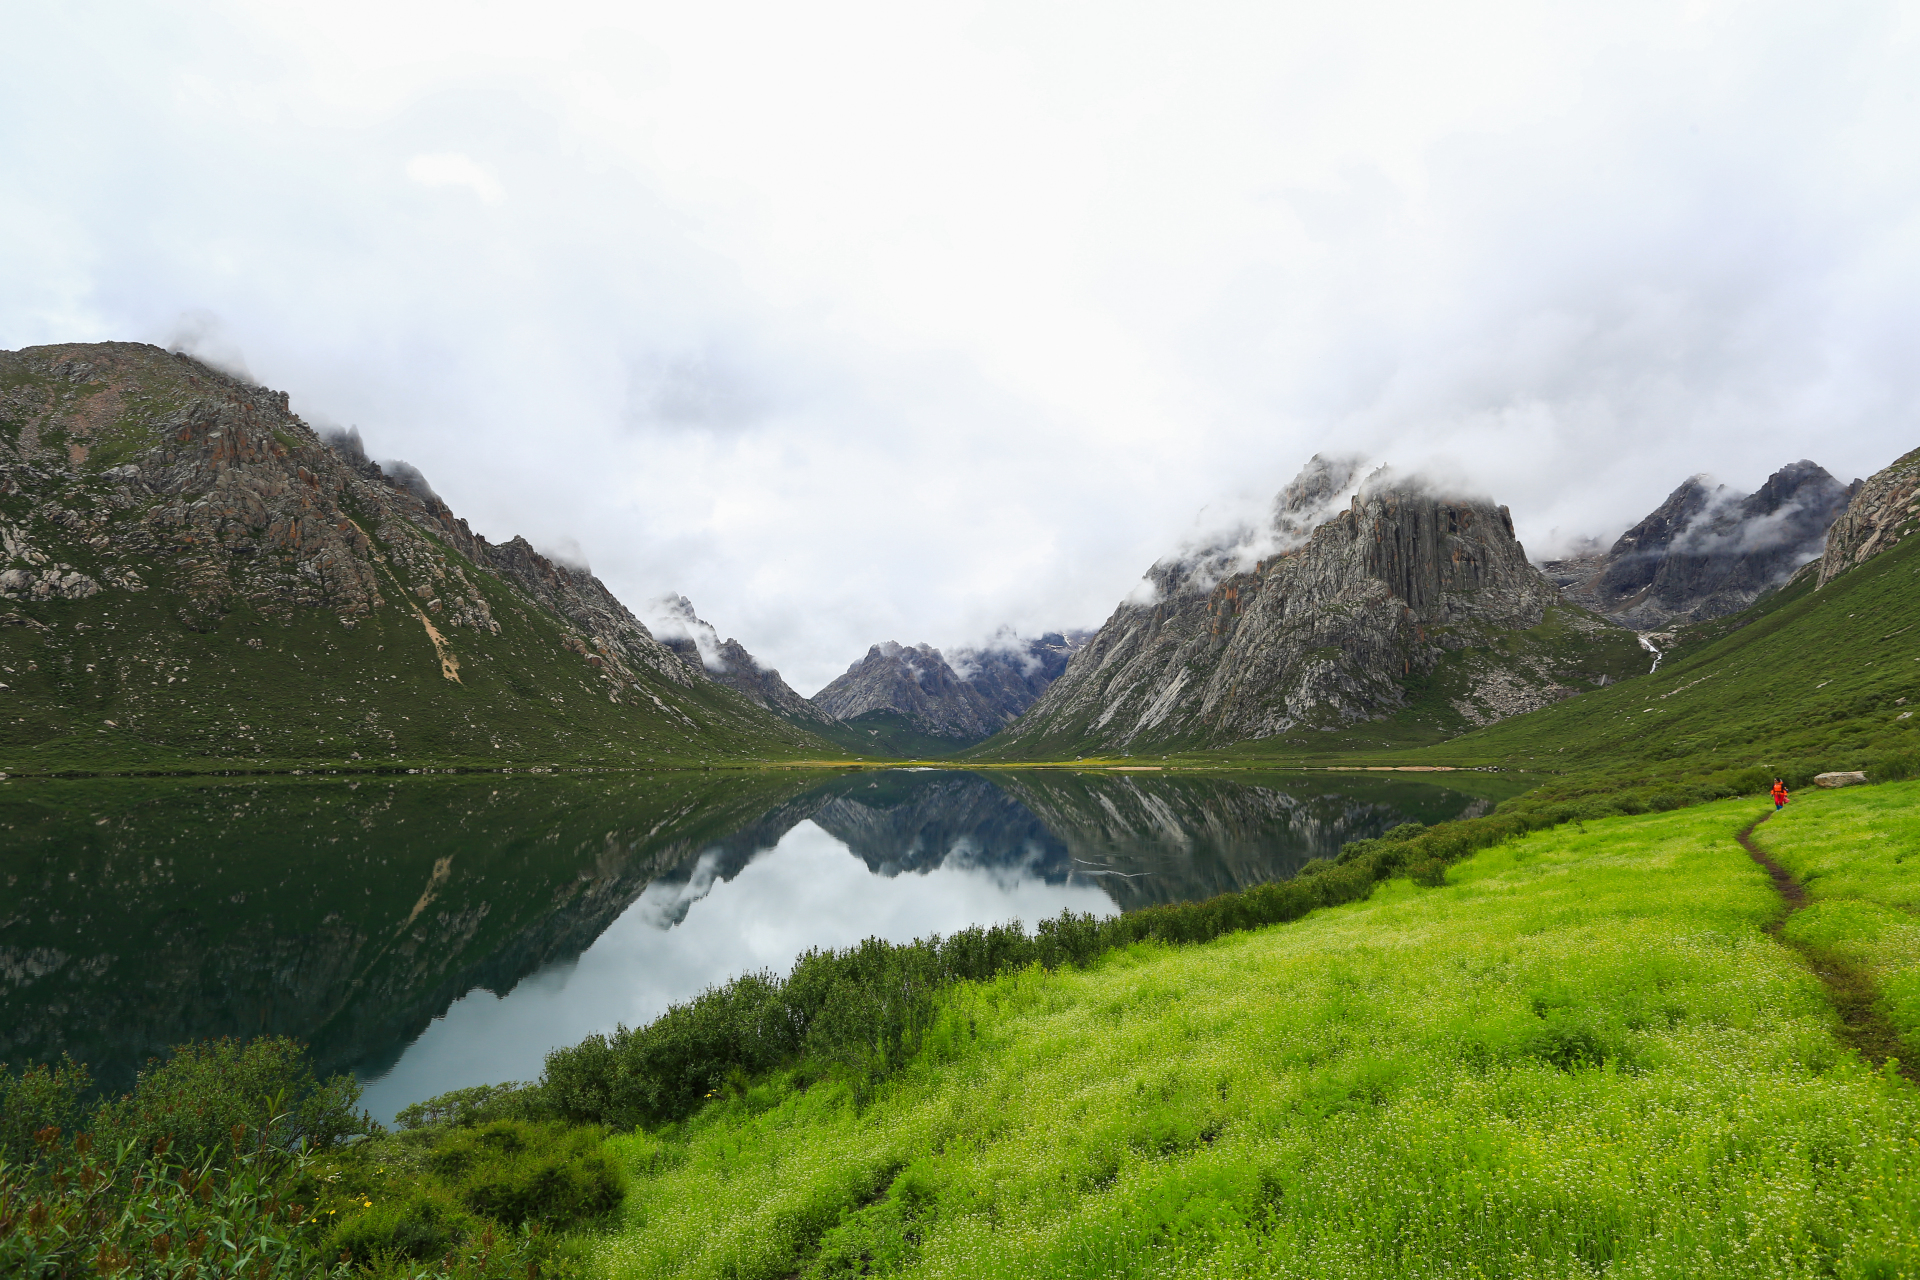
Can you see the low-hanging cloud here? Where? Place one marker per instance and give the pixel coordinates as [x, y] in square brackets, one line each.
[852, 323]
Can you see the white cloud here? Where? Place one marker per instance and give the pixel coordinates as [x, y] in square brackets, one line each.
[862, 321]
[451, 169]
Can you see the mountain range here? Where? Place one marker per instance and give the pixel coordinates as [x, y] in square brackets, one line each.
[192, 572]
[1707, 551]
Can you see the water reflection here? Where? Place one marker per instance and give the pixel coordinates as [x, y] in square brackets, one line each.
[429, 933]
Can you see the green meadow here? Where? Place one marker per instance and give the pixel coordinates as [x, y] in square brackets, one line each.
[1582, 1054]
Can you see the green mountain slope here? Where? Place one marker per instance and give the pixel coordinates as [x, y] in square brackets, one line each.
[1808, 680]
[194, 578]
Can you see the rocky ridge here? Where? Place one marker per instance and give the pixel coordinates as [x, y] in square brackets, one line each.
[1885, 509]
[966, 700]
[131, 474]
[1316, 620]
[697, 643]
[1707, 551]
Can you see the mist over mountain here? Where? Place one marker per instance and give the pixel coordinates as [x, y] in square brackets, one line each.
[1353, 590]
[1708, 550]
[698, 644]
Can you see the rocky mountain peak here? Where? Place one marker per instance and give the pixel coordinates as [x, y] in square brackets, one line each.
[1708, 550]
[1278, 631]
[696, 642]
[969, 698]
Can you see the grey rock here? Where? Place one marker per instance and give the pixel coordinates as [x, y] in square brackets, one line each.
[1853, 779]
[969, 699]
[1884, 510]
[1706, 551]
[697, 643]
[1312, 621]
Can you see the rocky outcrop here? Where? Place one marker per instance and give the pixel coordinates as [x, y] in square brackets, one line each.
[1707, 551]
[1885, 510]
[698, 644]
[966, 700]
[1313, 620]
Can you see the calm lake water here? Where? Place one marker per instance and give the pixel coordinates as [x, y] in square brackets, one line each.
[433, 932]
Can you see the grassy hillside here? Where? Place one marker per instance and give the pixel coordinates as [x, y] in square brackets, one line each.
[1806, 681]
[1858, 854]
[118, 682]
[192, 579]
[1583, 1054]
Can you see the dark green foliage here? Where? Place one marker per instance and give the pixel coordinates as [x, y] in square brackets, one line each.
[204, 1093]
[86, 1208]
[419, 1225]
[151, 1185]
[515, 1172]
[40, 1097]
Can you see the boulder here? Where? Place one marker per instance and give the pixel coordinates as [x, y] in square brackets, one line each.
[1838, 779]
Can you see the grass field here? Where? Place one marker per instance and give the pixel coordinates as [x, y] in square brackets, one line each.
[1585, 1054]
[1858, 853]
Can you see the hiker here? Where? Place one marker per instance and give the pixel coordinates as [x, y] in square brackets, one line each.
[1779, 794]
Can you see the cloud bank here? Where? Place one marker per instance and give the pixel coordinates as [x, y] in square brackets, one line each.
[857, 321]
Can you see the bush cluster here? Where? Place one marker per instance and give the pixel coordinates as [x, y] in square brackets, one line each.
[194, 1172]
[231, 1158]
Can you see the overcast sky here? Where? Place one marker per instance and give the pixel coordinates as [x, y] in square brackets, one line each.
[903, 321]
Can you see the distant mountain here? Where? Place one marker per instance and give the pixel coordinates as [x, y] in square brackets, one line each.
[911, 700]
[1351, 597]
[1707, 551]
[698, 644]
[191, 572]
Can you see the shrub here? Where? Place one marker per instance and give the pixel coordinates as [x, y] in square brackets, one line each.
[197, 1097]
[461, 1108]
[40, 1097]
[420, 1226]
[515, 1172]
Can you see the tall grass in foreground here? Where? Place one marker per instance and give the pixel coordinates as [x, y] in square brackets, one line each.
[1581, 1056]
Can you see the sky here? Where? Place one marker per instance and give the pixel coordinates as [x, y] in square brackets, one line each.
[858, 322]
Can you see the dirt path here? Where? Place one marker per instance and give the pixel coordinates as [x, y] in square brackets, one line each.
[1862, 1025]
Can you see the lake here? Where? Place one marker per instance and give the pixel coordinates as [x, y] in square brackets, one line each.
[437, 931]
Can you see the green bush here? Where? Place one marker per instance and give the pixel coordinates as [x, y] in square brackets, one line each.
[515, 1100]
[205, 1092]
[517, 1172]
[39, 1098]
[419, 1225]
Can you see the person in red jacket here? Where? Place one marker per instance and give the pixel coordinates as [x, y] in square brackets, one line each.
[1779, 794]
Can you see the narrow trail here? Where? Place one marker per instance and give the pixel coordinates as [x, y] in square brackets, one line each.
[1863, 1027]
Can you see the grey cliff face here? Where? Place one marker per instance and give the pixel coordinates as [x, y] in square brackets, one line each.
[967, 700]
[697, 643]
[1885, 509]
[1707, 551]
[1317, 632]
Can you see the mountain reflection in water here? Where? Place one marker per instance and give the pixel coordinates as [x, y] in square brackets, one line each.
[435, 932]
